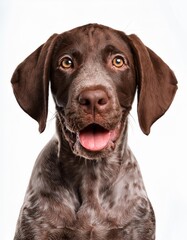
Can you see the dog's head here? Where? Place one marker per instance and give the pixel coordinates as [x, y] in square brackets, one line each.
[94, 72]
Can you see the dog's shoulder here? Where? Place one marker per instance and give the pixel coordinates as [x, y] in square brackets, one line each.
[49, 151]
[46, 163]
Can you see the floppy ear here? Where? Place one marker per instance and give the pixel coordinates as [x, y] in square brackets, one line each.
[157, 84]
[30, 82]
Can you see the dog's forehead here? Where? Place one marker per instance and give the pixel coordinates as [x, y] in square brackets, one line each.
[93, 37]
[95, 33]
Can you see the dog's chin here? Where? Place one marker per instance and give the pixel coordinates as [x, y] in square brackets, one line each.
[95, 142]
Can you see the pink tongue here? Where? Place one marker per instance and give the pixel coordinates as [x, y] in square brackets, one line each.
[94, 138]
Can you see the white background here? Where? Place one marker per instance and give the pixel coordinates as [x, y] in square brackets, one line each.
[161, 25]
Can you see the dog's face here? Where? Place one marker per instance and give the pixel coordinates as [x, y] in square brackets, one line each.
[93, 83]
[94, 72]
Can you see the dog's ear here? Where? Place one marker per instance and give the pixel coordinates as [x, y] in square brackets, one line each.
[156, 82]
[30, 82]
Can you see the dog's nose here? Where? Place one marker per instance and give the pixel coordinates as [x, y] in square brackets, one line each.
[93, 100]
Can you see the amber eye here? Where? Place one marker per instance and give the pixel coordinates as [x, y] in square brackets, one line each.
[66, 62]
[118, 61]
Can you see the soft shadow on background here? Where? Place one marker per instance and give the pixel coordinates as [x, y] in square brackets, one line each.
[161, 25]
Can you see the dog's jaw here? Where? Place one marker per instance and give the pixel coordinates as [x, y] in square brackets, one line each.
[78, 140]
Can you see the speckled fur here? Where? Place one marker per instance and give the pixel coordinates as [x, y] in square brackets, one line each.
[75, 194]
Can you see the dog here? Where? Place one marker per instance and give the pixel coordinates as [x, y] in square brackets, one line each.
[86, 183]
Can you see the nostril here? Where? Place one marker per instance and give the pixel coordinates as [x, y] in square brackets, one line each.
[84, 101]
[102, 101]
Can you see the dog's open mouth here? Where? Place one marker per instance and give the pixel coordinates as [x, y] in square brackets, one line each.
[96, 138]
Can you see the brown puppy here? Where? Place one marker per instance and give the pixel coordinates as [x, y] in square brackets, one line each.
[86, 183]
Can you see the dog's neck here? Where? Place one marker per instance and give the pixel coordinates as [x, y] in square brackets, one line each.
[73, 165]
[90, 179]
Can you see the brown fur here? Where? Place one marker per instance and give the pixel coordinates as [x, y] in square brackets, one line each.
[75, 193]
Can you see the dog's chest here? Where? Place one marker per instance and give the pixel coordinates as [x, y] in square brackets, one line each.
[94, 202]
[107, 207]
[106, 216]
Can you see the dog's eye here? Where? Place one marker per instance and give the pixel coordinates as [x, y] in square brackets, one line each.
[118, 62]
[66, 62]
